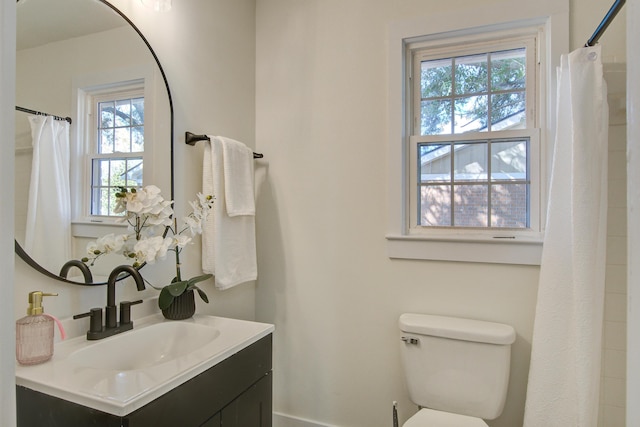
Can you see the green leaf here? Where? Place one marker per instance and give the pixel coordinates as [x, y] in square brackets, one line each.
[165, 299]
[203, 295]
[199, 278]
[177, 288]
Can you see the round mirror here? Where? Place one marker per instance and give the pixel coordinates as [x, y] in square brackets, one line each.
[83, 60]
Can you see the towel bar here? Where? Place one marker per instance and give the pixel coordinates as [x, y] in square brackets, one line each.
[191, 139]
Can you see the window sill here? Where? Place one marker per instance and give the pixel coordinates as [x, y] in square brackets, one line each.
[523, 251]
[93, 230]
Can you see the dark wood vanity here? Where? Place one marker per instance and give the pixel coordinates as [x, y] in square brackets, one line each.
[236, 392]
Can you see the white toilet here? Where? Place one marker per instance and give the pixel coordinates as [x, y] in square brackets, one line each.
[457, 370]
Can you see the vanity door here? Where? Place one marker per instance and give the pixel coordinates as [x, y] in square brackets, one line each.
[251, 408]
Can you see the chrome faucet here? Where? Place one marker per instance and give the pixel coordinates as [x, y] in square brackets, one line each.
[111, 326]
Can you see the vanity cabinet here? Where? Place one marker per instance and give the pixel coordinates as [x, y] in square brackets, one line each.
[236, 392]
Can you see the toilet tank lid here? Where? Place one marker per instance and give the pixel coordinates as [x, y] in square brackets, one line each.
[458, 328]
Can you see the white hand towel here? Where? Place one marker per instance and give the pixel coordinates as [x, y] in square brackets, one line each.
[238, 178]
[228, 242]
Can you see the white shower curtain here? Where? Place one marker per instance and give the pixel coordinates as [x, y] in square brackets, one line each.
[48, 231]
[564, 376]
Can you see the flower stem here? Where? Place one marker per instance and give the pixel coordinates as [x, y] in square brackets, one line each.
[178, 276]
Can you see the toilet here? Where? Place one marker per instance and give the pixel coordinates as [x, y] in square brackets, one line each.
[457, 370]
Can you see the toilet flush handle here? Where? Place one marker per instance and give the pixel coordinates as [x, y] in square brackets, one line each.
[410, 340]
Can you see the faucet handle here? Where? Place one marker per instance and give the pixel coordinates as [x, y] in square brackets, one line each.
[95, 322]
[125, 311]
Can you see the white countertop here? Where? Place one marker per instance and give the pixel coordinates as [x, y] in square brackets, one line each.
[71, 376]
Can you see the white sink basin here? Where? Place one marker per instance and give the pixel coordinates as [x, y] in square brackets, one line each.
[124, 372]
[142, 348]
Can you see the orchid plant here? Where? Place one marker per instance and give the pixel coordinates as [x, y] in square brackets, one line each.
[153, 232]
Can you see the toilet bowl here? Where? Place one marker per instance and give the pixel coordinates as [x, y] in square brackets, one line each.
[456, 370]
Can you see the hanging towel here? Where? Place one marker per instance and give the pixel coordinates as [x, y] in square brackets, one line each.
[238, 178]
[229, 240]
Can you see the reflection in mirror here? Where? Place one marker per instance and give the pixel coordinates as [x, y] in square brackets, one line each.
[85, 60]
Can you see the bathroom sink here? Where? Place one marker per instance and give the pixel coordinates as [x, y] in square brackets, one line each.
[122, 373]
[142, 348]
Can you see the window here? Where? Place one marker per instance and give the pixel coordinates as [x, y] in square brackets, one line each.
[116, 158]
[472, 142]
[113, 142]
[471, 120]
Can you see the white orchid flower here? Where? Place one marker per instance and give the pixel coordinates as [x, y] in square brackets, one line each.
[106, 244]
[148, 250]
[152, 230]
[181, 241]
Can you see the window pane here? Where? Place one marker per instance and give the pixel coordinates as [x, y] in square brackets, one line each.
[105, 144]
[435, 78]
[435, 205]
[103, 201]
[123, 112]
[509, 160]
[106, 114]
[509, 206]
[123, 140]
[118, 173]
[434, 162]
[470, 162]
[435, 117]
[137, 111]
[471, 74]
[103, 166]
[508, 69]
[471, 114]
[134, 173]
[508, 111]
[470, 206]
[137, 141]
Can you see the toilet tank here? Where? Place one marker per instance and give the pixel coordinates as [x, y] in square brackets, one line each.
[456, 365]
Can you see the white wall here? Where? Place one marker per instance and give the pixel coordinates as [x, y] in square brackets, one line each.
[612, 395]
[7, 330]
[633, 220]
[325, 279]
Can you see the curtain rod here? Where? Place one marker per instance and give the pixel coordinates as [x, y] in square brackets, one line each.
[617, 5]
[192, 138]
[40, 113]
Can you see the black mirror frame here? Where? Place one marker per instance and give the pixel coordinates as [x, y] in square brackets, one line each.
[18, 249]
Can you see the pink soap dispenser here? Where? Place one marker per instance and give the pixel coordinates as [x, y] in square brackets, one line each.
[34, 332]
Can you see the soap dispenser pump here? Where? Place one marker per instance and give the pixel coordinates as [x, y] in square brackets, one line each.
[34, 332]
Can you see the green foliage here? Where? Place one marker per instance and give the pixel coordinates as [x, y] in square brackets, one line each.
[463, 87]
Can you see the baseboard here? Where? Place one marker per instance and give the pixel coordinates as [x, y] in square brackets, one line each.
[284, 420]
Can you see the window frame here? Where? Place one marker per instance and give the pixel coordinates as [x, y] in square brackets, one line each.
[549, 19]
[127, 91]
[82, 87]
[419, 51]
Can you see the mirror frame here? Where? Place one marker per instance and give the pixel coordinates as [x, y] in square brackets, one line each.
[18, 249]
